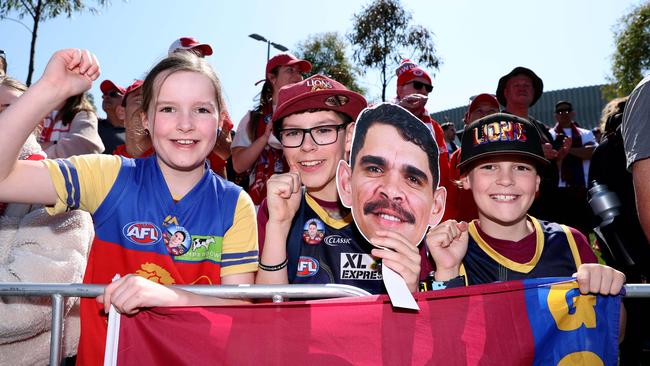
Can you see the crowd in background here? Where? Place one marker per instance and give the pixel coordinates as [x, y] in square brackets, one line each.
[253, 154]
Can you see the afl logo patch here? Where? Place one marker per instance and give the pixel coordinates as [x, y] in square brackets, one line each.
[307, 267]
[141, 233]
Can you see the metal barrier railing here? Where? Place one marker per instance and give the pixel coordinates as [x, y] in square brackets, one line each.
[58, 291]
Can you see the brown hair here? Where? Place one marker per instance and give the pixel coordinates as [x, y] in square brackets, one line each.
[73, 105]
[266, 98]
[11, 83]
[179, 61]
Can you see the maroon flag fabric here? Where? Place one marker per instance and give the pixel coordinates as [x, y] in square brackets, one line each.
[478, 325]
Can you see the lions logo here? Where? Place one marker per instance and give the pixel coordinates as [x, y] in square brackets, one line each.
[155, 273]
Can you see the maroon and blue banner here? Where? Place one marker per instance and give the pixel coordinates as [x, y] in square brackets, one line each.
[532, 322]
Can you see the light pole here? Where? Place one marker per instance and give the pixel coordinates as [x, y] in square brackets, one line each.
[268, 42]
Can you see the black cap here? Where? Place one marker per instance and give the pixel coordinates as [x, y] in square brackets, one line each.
[500, 134]
[565, 103]
[538, 85]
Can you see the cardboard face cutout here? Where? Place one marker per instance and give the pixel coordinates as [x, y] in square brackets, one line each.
[391, 180]
[391, 183]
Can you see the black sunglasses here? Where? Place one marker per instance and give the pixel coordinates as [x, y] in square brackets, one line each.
[114, 94]
[418, 85]
[563, 111]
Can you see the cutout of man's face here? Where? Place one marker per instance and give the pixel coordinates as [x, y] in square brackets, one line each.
[390, 188]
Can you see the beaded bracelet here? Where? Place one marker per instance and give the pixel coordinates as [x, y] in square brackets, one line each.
[277, 267]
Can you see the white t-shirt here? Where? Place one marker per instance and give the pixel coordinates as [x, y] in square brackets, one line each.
[587, 138]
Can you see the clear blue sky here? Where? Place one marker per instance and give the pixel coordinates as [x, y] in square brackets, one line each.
[567, 43]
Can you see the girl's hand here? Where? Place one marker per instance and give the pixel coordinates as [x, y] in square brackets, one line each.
[70, 72]
[132, 292]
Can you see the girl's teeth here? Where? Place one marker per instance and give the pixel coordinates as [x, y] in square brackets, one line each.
[185, 142]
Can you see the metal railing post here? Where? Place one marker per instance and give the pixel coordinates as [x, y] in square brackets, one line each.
[56, 334]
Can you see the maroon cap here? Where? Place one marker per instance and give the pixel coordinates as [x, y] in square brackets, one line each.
[317, 92]
[133, 87]
[189, 43]
[287, 59]
[107, 86]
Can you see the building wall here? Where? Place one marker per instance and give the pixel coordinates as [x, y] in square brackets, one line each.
[587, 101]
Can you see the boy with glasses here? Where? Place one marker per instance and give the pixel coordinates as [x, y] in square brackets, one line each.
[314, 123]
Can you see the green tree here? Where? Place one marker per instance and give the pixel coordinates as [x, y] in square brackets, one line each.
[40, 11]
[326, 52]
[382, 36]
[632, 56]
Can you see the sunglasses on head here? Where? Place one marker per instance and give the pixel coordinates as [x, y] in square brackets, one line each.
[418, 85]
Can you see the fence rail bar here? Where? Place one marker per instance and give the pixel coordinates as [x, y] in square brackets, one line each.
[637, 290]
[223, 291]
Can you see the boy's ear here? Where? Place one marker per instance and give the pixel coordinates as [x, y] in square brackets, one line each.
[349, 136]
[343, 183]
[464, 181]
[438, 209]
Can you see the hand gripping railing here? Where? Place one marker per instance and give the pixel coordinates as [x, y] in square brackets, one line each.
[57, 291]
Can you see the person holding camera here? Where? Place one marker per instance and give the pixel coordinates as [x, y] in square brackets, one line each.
[573, 167]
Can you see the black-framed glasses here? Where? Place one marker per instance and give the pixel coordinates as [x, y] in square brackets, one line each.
[322, 135]
[418, 85]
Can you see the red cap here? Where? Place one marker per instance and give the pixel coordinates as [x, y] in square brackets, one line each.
[135, 85]
[409, 70]
[317, 92]
[189, 43]
[107, 86]
[287, 59]
[482, 98]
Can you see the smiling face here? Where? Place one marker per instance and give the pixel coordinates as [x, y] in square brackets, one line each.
[503, 188]
[519, 90]
[177, 239]
[391, 186]
[286, 75]
[182, 119]
[316, 163]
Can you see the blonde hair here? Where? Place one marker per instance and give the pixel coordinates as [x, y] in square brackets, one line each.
[179, 61]
[614, 106]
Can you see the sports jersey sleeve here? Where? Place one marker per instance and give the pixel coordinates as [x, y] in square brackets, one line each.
[584, 249]
[240, 253]
[82, 182]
